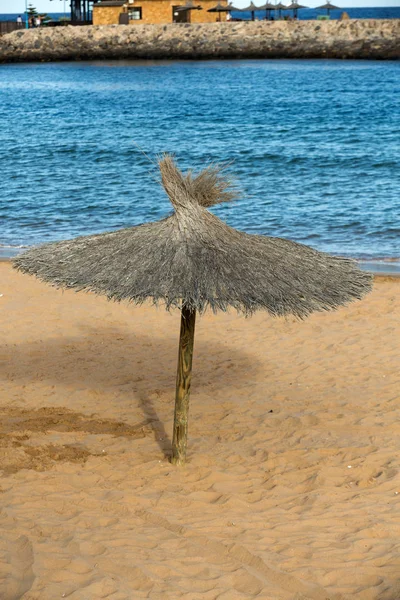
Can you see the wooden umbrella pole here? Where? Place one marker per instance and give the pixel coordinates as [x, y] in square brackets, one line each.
[183, 380]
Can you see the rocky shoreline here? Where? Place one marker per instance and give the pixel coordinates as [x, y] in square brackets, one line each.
[352, 39]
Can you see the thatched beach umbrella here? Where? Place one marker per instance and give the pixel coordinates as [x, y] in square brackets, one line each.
[280, 7]
[220, 8]
[328, 7]
[294, 6]
[194, 261]
[267, 7]
[251, 8]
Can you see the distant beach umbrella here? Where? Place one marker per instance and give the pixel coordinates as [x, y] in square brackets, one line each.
[280, 7]
[194, 261]
[251, 8]
[328, 7]
[267, 7]
[220, 8]
[294, 6]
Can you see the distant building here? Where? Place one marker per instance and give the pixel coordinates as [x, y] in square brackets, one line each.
[132, 12]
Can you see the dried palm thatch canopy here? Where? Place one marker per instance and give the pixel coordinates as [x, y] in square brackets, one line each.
[251, 8]
[294, 6]
[194, 261]
[280, 7]
[328, 7]
[220, 8]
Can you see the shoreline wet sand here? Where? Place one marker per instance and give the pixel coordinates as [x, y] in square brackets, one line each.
[291, 489]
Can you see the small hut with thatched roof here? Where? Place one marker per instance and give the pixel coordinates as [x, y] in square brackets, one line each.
[194, 261]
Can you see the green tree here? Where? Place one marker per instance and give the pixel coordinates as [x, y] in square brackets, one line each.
[32, 12]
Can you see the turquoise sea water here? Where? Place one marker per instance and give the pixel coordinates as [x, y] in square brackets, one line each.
[376, 12]
[314, 146]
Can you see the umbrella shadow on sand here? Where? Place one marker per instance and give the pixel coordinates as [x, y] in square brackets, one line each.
[139, 368]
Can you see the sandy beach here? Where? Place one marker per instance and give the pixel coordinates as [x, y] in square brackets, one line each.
[291, 491]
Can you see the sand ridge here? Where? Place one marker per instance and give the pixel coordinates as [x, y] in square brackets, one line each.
[292, 488]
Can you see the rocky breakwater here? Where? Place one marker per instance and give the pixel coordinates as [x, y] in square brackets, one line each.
[359, 39]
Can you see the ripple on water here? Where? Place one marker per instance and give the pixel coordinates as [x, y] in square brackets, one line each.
[314, 145]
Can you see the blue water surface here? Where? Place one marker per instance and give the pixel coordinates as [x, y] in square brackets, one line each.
[314, 146]
[306, 14]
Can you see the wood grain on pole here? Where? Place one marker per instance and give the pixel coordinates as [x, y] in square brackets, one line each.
[183, 380]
